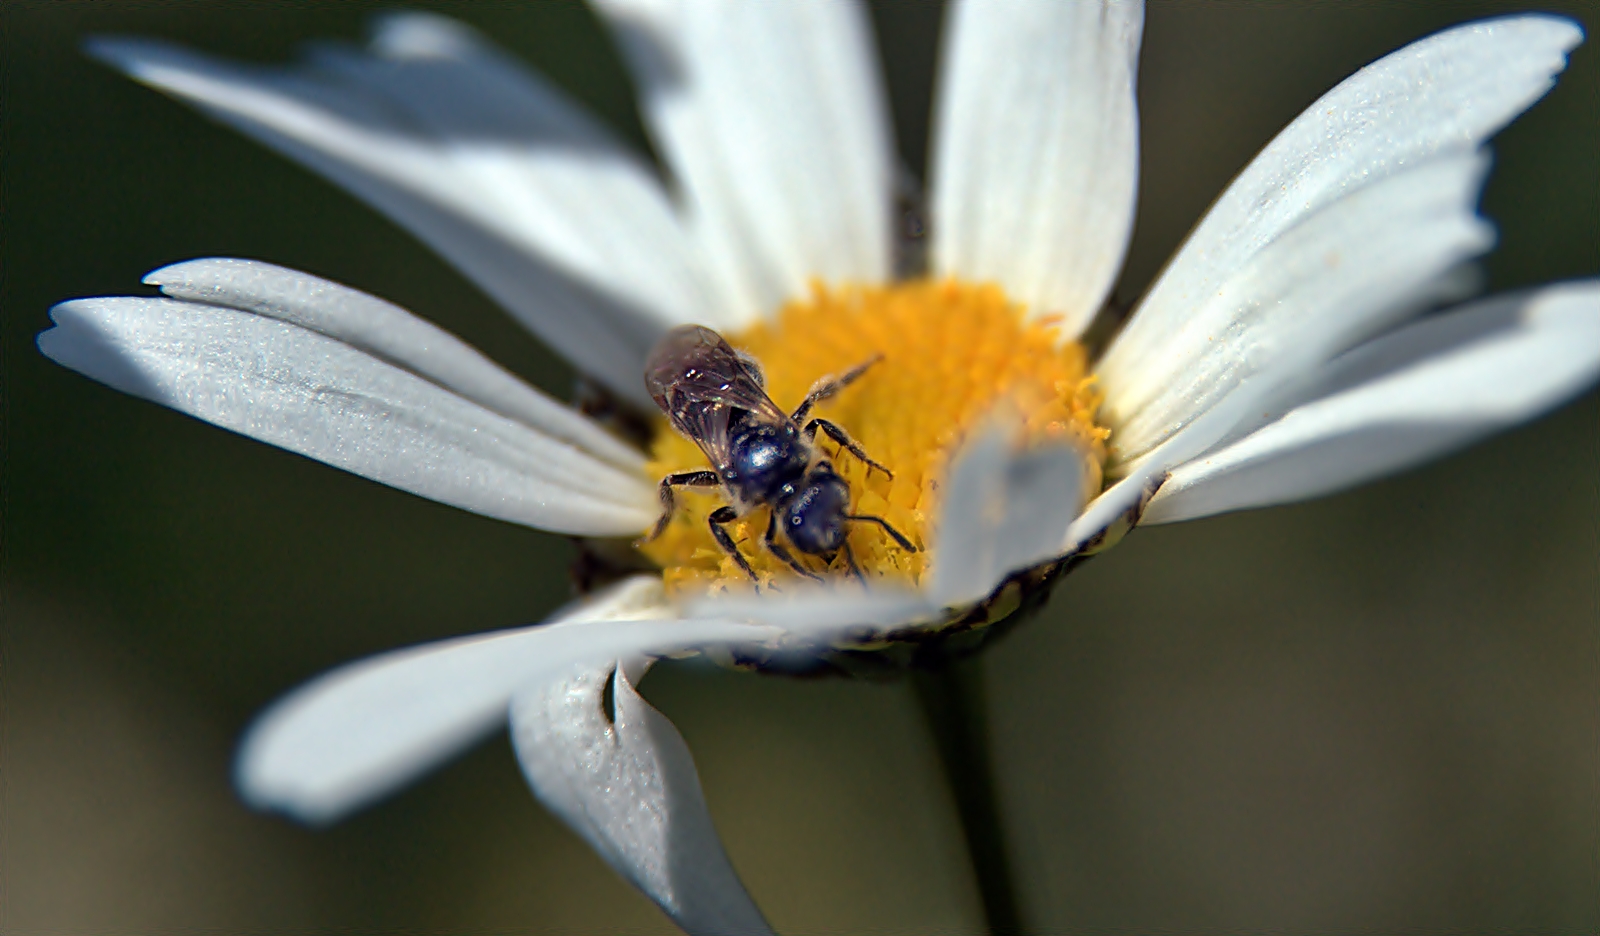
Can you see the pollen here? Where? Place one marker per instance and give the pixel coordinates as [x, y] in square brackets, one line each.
[949, 354]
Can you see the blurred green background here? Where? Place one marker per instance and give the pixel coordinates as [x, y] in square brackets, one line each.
[1372, 713]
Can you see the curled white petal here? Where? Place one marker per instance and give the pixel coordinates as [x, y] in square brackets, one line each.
[1431, 103]
[360, 731]
[1036, 153]
[620, 775]
[1004, 509]
[1403, 399]
[482, 160]
[388, 332]
[772, 118]
[306, 392]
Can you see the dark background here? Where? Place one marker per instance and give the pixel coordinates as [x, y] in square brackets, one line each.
[1372, 713]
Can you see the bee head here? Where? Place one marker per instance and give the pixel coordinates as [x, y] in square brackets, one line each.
[814, 519]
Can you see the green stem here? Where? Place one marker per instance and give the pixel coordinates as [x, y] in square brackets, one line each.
[952, 701]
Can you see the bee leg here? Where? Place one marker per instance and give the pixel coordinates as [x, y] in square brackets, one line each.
[669, 505]
[777, 549]
[828, 386]
[843, 438]
[727, 515]
[893, 533]
[850, 563]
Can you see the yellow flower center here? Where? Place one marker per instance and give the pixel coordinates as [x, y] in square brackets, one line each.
[951, 353]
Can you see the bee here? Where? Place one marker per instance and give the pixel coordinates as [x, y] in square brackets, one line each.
[759, 454]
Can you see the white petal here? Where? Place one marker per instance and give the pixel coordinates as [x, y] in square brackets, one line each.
[1121, 505]
[617, 771]
[1433, 100]
[360, 731]
[1403, 399]
[483, 161]
[1004, 510]
[389, 332]
[308, 393]
[1036, 160]
[772, 118]
[1342, 274]
[819, 614]
[583, 197]
[1115, 510]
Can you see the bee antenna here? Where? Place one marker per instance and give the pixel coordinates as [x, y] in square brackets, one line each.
[893, 533]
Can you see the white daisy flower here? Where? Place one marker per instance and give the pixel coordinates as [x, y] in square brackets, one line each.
[1282, 354]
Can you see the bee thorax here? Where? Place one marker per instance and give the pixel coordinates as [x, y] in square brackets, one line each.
[764, 459]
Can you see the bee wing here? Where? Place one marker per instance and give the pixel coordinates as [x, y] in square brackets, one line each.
[707, 424]
[698, 379]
